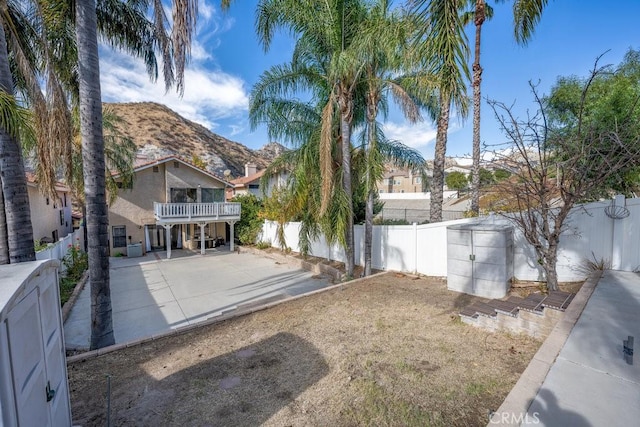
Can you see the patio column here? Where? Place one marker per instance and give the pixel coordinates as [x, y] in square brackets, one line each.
[202, 240]
[167, 228]
[231, 239]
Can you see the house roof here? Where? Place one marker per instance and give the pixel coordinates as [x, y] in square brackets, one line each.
[242, 181]
[141, 164]
[33, 181]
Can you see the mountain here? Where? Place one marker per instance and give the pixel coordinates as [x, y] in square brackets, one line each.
[159, 131]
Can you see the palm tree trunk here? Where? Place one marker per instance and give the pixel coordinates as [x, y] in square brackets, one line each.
[435, 214]
[94, 178]
[368, 222]
[477, 80]
[346, 116]
[16, 231]
[4, 243]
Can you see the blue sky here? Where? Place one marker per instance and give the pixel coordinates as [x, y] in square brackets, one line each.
[227, 60]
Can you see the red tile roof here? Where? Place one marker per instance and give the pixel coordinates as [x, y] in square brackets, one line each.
[240, 182]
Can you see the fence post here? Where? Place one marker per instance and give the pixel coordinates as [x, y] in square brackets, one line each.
[415, 248]
[618, 236]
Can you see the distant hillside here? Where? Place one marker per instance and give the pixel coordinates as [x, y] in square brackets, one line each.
[159, 131]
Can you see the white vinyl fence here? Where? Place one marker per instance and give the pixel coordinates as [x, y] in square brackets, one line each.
[59, 249]
[590, 234]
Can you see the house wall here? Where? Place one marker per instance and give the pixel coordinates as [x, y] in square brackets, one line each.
[133, 207]
[590, 235]
[46, 218]
[186, 177]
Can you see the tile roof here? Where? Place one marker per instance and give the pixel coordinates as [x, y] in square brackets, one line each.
[60, 186]
[247, 179]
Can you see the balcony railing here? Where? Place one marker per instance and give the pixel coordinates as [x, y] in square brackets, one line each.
[167, 212]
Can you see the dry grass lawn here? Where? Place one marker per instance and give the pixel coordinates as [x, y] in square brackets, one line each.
[385, 351]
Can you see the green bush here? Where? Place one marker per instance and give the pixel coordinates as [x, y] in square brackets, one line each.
[263, 245]
[250, 224]
[381, 221]
[76, 263]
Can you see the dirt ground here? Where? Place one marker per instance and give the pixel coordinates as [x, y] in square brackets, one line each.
[385, 351]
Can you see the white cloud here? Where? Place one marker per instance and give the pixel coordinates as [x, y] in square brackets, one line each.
[209, 94]
[417, 136]
[206, 10]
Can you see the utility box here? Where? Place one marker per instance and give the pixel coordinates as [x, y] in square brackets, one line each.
[480, 259]
[134, 250]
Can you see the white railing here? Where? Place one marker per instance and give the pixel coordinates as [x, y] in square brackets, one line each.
[194, 211]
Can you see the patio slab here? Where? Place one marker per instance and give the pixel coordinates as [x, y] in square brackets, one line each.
[152, 294]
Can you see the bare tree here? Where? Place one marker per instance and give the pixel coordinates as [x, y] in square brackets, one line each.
[555, 168]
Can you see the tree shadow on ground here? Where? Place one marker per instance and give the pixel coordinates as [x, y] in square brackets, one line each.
[241, 388]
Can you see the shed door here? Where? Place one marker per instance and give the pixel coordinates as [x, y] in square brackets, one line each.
[37, 356]
[54, 352]
[28, 362]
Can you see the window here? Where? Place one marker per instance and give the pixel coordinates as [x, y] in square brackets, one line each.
[54, 235]
[128, 185]
[418, 180]
[156, 169]
[119, 233]
[47, 201]
[61, 216]
[176, 165]
[187, 232]
[184, 195]
[254, 186]
[210, 195]
[65, 199]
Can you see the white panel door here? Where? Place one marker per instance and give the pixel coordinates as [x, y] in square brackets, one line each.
[54, 353]
[28, 362]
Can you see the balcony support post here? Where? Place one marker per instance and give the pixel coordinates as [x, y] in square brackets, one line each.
[203, 242]
[231, 238]
[167, 228]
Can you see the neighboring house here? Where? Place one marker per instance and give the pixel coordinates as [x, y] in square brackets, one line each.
[50, 218]
[457, 168]
[248, 184]
[400, 181]
[171, 204]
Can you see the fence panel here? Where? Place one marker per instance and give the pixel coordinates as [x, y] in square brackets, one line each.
[590, 235]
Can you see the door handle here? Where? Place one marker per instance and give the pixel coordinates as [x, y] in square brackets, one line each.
[50, 392]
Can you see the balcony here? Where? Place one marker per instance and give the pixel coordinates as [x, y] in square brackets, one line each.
[181, 213]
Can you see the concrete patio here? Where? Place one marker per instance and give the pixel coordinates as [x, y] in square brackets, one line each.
[151, 294]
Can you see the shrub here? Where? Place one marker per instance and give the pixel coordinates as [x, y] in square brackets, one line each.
[263, 244]
[76, 263]
[250, 224]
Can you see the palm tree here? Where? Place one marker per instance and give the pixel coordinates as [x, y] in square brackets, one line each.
[184, 17]
[383, 44]
[43, 51]
[446, 52]
[481, 12]
[526, 15]
[93, 170]
[16, 232]
[326, 29]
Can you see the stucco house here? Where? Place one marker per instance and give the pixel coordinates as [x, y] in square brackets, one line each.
[248, 184]
[50, 218]
[172, 204]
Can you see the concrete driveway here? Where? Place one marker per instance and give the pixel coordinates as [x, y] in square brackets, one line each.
[151, 294]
